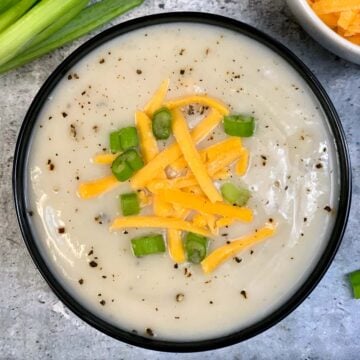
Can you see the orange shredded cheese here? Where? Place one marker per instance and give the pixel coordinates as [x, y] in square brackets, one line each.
[95, 188]
[104, 159]
[173, 152]
[243, 163]
[198, 99]
[148, 144]
[192, 157]
[223, 253]
[156, 222]
[157, 100]
[200, 203]
[342, 16]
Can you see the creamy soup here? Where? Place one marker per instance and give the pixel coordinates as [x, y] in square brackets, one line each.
[291, 176]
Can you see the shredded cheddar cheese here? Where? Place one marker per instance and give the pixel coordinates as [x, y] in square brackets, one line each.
[157, 100]
[173, 152]
[192, 157]
[198, 99]
[156, 222]
[200, 203]
[223, 253]
[104, 159]
[193, 192]
[95, 188]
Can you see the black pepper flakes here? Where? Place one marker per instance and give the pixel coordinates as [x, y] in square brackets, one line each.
[90, 252]
[102, 302]
[138, 71]
[81, 281]
[319, 166]
[30, 213]
[182, 72]
[149, 332]
[61, 230]
[93, 263]
[181, 52]
[64, 114]
[101, 61]
[179, 297]
[244, 294]
[237, 259]
[176, 266]
[327, 208]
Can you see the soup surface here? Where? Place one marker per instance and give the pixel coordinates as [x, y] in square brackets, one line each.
[290, 175]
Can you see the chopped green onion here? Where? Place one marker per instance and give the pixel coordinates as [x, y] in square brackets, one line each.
[38, 18]
[90, 18]
[115, 145]
[6, 4]
[239, 125]
[132, 157]
[124, 166]
[161, 123]
[123, 139]
[146, 245]
[56, 26]
[128, 137]
[195, 247]
[121, 169]
[354, 278]
[15, 12]
[235, 195]
[130, 204]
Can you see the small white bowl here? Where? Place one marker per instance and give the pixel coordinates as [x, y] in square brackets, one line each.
[322, 33]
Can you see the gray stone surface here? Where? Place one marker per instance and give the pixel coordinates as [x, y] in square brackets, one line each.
[34, 324]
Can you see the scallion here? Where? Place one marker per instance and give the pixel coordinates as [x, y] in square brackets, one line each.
[29, 25]
[130, 204]
[126, 164]
[121, 169]
[133, 158]
[87, 20]
[235, 195]
[123, 139]
[354, 278]
[195, 247]
[15, 12]
[146, 245]
[161, 123]
[239, 125]
[115, 145]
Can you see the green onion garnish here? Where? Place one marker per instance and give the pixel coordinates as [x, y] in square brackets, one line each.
[15, 12]
[161, 123]
[121, 169]
[133, 158]
[124, 166]
[146, 245]
[354, 278]
[123, 139]
[128, 137]
[115, 145]
[129, 204]
[239, 125]
[195, 247]
[235, 195]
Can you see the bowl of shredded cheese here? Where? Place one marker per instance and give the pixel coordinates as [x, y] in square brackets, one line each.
[335, 24]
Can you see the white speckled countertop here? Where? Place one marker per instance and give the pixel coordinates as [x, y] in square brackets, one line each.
[35, 325]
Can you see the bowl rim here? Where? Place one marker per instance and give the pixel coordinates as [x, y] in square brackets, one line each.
[330, 34]
[20, 169]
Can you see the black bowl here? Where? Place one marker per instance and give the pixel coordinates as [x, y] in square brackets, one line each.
[20, 186]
